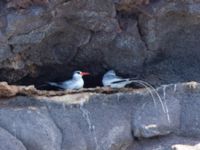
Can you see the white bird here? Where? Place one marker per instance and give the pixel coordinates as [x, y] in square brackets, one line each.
[75, 83]
[110, 79]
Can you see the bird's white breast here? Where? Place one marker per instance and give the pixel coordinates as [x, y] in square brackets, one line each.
[75, 84]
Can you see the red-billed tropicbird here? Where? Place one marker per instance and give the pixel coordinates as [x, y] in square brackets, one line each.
[110, 79]
[75, 83]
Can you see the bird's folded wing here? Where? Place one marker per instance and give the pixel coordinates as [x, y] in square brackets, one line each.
[59, 84]
[119, 81]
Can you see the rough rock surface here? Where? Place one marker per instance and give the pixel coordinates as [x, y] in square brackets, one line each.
[55, 34]
[33, 126]
[173, 33]
[9, 141]
[167, 143]
[158, 39]
[43, 40]
[113, 121]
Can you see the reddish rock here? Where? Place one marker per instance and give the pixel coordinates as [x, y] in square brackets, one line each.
[7, 90]
[22, 4]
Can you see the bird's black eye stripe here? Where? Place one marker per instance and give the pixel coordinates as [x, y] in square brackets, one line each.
[119, 81]
[78, 72]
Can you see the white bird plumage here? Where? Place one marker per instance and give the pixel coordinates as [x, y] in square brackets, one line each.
[110, 79]
[75, 83]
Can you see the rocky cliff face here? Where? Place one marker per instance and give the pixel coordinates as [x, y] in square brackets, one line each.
[157, 40]
[127, 119]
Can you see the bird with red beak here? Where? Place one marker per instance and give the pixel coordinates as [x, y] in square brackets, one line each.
[75, 83]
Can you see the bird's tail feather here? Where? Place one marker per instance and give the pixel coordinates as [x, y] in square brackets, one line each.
[133, 78]
[53, 84]
[129, 81]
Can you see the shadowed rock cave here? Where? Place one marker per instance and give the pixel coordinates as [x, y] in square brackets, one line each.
[40, 82]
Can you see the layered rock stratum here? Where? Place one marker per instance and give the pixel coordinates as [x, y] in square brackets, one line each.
[101, 119]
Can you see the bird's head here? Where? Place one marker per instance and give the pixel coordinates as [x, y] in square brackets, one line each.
[78, 74]
[111, 73]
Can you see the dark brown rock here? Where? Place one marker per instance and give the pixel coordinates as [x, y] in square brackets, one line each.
[7, 91]
[23, 4]
[96, 36]
[172, 33]
[76, 34]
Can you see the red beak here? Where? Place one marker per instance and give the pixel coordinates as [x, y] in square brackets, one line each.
[85, 73]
